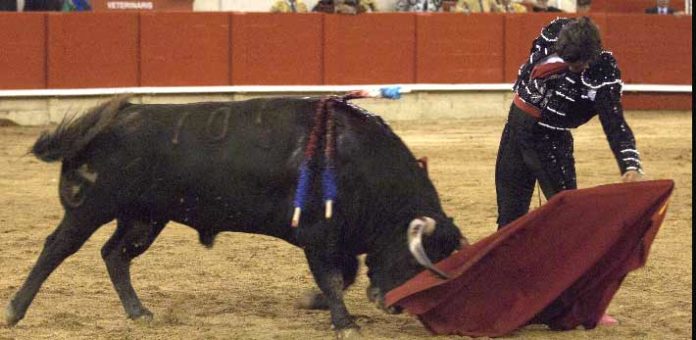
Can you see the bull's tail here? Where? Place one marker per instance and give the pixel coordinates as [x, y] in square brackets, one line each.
[73, 134]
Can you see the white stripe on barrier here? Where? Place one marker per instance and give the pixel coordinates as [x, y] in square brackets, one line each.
[405, 88]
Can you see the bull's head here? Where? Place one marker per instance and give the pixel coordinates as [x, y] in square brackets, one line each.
[424, 242]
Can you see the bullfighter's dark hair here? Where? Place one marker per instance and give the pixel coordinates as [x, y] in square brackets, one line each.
[579, 41]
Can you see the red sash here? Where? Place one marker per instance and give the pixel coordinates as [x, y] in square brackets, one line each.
[540, 71]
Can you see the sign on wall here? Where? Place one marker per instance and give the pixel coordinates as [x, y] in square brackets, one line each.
[142, 5]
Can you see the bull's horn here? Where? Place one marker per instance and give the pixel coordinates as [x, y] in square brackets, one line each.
[416, 229]
[463, 243]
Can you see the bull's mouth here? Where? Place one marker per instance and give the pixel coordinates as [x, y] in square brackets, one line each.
[376, 296]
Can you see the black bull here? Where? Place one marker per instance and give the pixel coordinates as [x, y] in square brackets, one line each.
[234, 167]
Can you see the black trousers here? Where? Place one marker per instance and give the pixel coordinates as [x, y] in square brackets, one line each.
[529, 152]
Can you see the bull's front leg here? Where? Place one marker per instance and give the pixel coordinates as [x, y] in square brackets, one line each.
[316, 300]
[325, 266]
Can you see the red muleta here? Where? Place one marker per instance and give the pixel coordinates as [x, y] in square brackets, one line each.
[559, 265]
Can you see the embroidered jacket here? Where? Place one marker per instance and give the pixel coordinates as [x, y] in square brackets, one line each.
[566, 100]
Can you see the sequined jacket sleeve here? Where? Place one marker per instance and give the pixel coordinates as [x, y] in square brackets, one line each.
[619, 134]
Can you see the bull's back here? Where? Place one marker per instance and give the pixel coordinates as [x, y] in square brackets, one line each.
[232, 163]
[257, 137]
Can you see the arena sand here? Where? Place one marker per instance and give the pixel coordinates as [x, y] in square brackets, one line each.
[245, 287]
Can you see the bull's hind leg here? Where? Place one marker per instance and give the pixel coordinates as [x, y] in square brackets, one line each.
[131, 239]
[71, 234]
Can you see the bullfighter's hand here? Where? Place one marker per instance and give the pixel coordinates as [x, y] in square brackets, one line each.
[632, 176]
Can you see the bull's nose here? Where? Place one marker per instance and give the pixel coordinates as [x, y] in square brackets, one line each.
[11, 317]
[394, 310]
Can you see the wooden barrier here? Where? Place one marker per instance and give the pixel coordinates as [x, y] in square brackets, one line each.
[657, 101]
[184, 49]
[520, 31]
[653, 50]
[130, 49]
[22, 51]
[629, 6]
[368, 49]
[142, 5]
[277, 49]
[92, 50]
[452, 48]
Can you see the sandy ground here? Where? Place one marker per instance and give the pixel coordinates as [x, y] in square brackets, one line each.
[245, 287]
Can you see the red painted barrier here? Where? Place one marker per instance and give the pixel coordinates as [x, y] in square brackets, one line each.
[184, 49]
[125, 49]
[368, 49]
[142, 5]
[276, 49]
[92, 50]
[22, 51]
[651, 49]
[630, 6]
[520, 31]
[455, 48]
[657, 101]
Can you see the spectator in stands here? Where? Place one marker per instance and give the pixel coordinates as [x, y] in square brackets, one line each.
[450, 6]
[76, 6]
[8, 6]
[325, 6]
[583, 6]
[477, 6]
[367, 6]
[507, 6]
[345, 6]
[43, 5]
[543, 6]
[289, 6]
[418, 5]
[661, 8]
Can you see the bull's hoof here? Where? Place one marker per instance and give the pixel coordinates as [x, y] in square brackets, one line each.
[373, 294]
[312, 300]
[348, 334]
[144, 316]
[11, 317]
